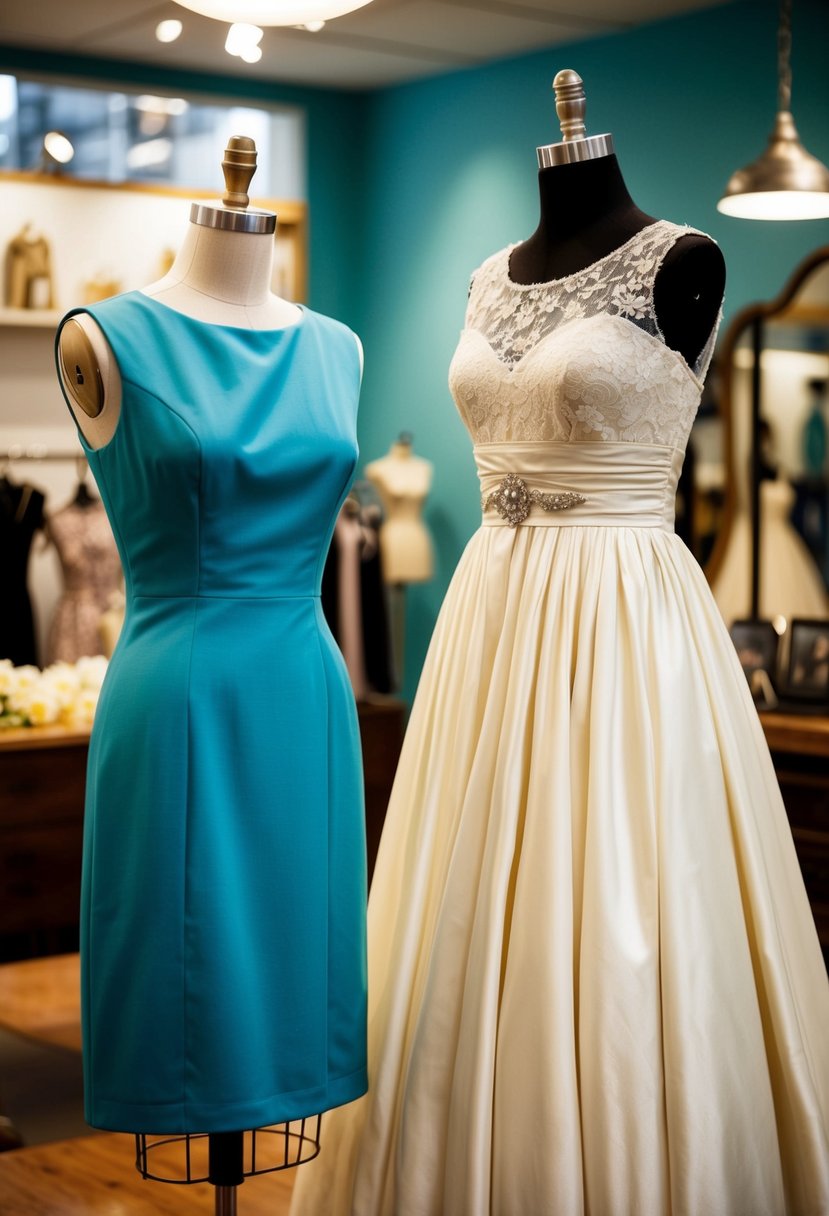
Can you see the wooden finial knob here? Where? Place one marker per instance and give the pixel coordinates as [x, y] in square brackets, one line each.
[568, 87]
[238, 166]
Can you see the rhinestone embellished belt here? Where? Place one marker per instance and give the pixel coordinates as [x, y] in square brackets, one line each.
[513, 500]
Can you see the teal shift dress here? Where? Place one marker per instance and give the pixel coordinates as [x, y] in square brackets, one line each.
[223, 896]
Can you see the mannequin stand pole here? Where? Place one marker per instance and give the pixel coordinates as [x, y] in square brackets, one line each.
[226, 1154]
[397, 612]
[225, 1201]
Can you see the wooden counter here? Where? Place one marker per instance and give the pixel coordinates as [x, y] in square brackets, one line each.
[42, 777]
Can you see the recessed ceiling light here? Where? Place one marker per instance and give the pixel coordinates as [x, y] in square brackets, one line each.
[313, 27]
[242, 37]
[168, 31]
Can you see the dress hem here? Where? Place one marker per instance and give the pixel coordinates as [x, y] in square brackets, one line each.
[182, 1118]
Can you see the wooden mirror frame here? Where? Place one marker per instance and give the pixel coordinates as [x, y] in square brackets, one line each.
[746, 319]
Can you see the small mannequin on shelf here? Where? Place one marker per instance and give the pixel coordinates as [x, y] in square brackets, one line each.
[403, 481]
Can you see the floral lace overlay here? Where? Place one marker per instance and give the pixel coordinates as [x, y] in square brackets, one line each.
[578, 358]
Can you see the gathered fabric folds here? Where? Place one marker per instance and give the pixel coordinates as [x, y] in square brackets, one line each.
[595, 985]
[594, 981]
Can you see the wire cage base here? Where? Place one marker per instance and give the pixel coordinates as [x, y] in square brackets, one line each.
[185, 1159]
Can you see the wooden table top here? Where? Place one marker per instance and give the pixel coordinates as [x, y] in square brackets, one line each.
[799, 734]
[29, 738]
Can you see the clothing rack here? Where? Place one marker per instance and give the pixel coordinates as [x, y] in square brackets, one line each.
[38, 451]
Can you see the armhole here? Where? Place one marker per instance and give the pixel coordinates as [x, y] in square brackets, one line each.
[703, 360]
[361, 358]
[71, 405]
[700, 365]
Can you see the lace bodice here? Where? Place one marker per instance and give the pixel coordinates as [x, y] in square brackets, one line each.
[578, 358]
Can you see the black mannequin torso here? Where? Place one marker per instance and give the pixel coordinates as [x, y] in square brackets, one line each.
[586, 213]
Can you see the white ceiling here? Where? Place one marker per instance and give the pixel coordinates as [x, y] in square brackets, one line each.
[386, 42]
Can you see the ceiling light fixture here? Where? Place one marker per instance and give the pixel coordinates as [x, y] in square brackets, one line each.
[786, 182]
[272, 12]
[168, 31]
[243, 40]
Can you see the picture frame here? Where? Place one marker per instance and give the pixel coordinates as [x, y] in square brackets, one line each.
[758, 646]
[807, 673]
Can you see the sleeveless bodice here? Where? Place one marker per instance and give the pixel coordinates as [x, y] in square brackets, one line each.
[578, 359]
[229, 493]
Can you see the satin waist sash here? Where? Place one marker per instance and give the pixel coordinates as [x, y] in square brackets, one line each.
[624, 485]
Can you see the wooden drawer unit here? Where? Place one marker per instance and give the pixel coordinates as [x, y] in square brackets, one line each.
[42, 781]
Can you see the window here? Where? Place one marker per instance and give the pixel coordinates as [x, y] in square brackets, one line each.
[130, 136]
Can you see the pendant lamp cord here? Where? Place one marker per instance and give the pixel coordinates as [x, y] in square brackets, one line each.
[784, 50]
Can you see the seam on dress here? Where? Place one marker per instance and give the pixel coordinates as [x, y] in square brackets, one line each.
[185, 881]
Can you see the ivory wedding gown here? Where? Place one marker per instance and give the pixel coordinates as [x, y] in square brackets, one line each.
[595, 986]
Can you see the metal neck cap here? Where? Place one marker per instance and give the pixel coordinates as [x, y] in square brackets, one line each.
[577, 144]
[208, 215]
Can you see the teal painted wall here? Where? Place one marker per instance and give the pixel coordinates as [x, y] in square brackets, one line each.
[334, 172]
[410, 188]
[450, 177]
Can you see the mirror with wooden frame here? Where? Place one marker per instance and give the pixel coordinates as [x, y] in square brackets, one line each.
[758, 492]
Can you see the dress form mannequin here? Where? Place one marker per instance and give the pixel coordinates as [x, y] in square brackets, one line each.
[221, 276]
[403, 481]
[587, 212]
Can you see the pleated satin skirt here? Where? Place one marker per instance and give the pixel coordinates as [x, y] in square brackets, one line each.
[595, 986]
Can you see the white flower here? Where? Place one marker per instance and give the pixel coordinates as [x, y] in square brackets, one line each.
[83, 710]
[6, 676]
[37, 704]
[25, 677]
[91, 671]
[63, 682]
[63, 693]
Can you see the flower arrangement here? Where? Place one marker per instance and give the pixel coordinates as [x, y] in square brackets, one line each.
[64, 694]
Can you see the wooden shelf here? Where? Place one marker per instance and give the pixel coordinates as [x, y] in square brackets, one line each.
[30, 318]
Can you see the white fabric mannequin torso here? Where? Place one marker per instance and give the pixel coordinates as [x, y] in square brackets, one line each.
[219, 277]
[403, 482]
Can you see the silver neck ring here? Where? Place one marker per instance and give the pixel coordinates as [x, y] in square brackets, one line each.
[209, 216]
[589, 147]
